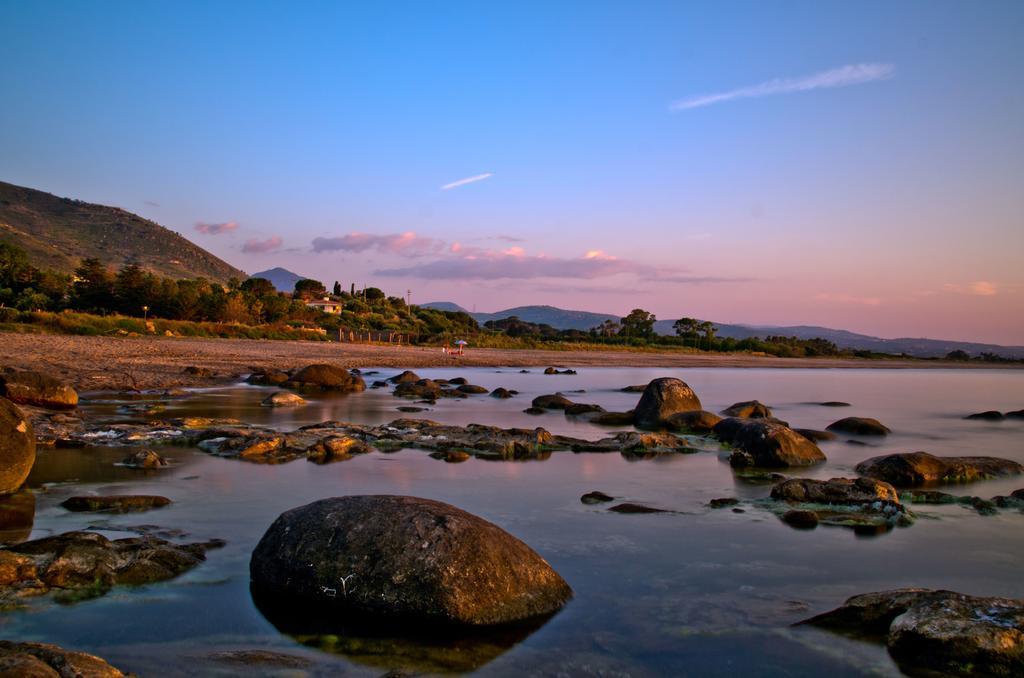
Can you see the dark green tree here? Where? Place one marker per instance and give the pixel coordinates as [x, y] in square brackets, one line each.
[639, 323]
[93, 288]
[308, 289]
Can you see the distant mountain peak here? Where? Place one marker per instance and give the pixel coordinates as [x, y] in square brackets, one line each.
[282, 279]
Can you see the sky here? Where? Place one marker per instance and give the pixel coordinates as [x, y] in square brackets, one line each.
[852, 165]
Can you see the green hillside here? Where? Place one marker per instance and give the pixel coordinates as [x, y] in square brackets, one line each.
[58, 232]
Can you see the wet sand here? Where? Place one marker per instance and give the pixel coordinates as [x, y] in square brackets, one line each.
[102, 363]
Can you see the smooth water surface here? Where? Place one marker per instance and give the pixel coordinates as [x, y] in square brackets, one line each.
[695, 592]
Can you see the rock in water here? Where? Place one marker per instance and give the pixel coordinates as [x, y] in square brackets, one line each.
[35, 388]
[695, 421]
[860, 426]
[17, 447]
[551, 402]
[766, 444]
[125, 503]
[325, 378]
[749, 409]
[917, 468]
[41, 660]
[938, 632]
[405, 377]
[661, 399]
[988, 415]
[283, 399]
[144, 459]
[403, 559]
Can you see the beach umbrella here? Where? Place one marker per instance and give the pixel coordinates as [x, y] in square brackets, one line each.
[461, 342]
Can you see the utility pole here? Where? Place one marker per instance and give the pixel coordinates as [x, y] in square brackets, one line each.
[408, 295]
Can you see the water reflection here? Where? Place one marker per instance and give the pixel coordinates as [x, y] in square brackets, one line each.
[17, 514]
[390, 646]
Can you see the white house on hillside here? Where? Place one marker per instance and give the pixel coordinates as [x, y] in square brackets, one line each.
[326, 305]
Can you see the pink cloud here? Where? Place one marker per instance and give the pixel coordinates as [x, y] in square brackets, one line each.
[216, 229]
[271, 244]
[405, 244]
[984, 288]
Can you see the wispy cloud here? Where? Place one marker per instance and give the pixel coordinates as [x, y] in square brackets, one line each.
[851, 74]
[151, 203]
[474, 263]
[254, 246]
[216, 229]
[405, 244]
[467, 180]
[980, 288]
[984, 288]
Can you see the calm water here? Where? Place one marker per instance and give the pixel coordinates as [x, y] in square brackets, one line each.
[698, 592]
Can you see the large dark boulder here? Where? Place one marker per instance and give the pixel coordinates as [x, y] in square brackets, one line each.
[35, 388]
[661, 399]
[766, 444]
[17, 447]
[938, 632]
[325, 378]
[918, 468]
[860, 426]
[407, 376]
[988, 415]
[122, 503]
[403, 559]
[748, 409]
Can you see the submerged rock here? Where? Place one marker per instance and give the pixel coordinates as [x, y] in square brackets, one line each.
[80, 565]
[144, 459]
[406, 559]
[551, 402]
[661, 399]
[938, 631]
[861, 426]
[766, 444]
[635, 508]
[283, 399]
[801, 519]
[723, 502]
[501, 392]
[596, 497]
[750, 409]
[451, 456]
[860, 503]
[990, 415]
[834, 403]
[35, 388]
[553, 370]
[125, 503]
[471, 389]
[17, 446]
[576, 409]
[917, 468]
[42, 660]
[261, 377]
[634, 388]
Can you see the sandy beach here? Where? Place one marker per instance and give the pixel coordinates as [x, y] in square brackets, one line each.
[103, 363]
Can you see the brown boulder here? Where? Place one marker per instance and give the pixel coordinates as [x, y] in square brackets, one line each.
[749, 409]
[35, 388]
[766, 444]
[835, 491]
[661, 399]
[918, 468]
[326, 378]
[938, 632]
[43, 660]
[404, 559]
[695, 421]
[551, 402]
[17, 447]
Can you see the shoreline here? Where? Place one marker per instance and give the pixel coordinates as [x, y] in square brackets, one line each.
[119, 363]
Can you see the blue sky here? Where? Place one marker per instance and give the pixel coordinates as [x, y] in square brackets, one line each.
[888, 202]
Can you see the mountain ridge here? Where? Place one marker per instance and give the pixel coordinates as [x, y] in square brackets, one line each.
[922, 347]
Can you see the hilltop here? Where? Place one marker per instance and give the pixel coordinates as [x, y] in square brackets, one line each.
[57, 233]
[282, 279]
